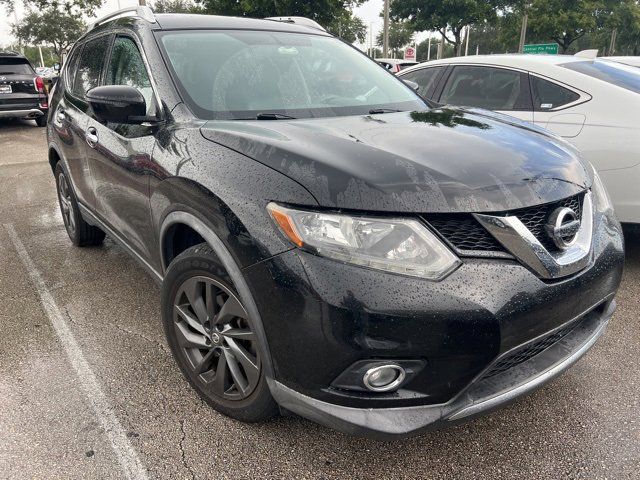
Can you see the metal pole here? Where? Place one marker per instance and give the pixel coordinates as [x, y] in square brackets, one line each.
[41, 59]
[477, 49]
[385, 35]
[523, 33]
[371, 51]
[429, 49]
[612, 46]
[466, 44]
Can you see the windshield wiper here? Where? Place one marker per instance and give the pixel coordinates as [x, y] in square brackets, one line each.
[375, 111]
[274, 116]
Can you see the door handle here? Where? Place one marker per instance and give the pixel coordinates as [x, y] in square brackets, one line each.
[91, 135]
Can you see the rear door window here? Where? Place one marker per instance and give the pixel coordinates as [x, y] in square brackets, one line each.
[549, 95]
[426, 78]
[487, 87]
[89, 71]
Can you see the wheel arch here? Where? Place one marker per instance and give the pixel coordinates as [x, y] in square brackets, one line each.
[183, 218]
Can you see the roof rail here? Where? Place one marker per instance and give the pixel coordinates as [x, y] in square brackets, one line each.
[307, 22]
[141, 11]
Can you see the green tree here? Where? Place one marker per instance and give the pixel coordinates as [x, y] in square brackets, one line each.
[400, 35]
[51, 26]
[626, 19]
[449, 17]
[176, 6]
[564, 21]
[325, 12]
[75, 7]
[348, 27]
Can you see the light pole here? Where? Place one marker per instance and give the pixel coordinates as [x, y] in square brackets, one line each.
[385, 34]
[523, 33]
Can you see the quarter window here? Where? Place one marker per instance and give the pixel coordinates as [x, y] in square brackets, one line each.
[487, 87]
[426, 78]
[127, 67]
[548, 95]
[90, 65]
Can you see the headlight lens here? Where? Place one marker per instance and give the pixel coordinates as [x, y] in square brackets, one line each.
[401, 246]
[601, 197]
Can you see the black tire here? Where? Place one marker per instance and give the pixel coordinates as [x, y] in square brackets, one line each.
[80, 232]
[41, 121]
[214, 362]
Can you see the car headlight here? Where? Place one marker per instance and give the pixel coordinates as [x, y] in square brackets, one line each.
[601, 197]
[401, 246]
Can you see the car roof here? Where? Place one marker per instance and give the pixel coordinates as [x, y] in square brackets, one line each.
[394, 60]
[185, 21]
[511, 60]
[12, 54]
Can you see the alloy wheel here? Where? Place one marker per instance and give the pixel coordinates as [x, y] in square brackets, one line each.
[66, 204]
[215, 335]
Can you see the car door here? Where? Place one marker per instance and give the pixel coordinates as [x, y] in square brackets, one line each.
[72, 114]
[120, 154]
[494, 88]
[554, 107]
[426, 78]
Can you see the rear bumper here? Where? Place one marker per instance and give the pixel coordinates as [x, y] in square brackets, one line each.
[23, 113]
[483, 394]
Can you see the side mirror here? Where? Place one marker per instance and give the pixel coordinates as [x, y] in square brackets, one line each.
[56, 67]
[411, 85]
[118, 104]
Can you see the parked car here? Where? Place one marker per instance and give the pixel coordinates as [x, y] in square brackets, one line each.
[591, 103]
[326, 243]
[22, 92]
[395, 65]
[631, 61]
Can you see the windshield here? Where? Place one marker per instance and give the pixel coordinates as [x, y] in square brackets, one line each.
[617, 74]
[242, 74]
[15, 66]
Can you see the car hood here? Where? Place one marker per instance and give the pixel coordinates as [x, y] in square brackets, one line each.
[440, 160]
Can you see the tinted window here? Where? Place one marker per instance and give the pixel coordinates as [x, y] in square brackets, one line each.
[620, 75]
[126, 67]
[425, 77]
[547, 95]
[13, 66]
[70, 67]
[90, 65]
[487, 87]
[238, 74]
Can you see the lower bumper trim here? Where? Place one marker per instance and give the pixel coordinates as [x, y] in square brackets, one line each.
[481, 396]
[31, 113]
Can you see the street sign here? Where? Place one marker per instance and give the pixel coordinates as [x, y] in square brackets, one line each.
[410, 54]
[548, 48]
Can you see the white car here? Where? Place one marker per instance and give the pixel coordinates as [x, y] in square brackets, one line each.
[632, 61]
[592, 103]
[395, 65]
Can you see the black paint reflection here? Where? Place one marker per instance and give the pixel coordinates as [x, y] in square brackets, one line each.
[447, 118]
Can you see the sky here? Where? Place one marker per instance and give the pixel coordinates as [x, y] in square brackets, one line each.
[369, 12]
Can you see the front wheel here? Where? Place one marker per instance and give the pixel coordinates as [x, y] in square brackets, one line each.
[212, 337]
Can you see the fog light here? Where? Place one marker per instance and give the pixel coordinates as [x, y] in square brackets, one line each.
[384, 378]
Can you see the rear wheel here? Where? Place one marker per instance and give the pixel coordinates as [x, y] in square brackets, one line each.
[212, 337]
[80, 232]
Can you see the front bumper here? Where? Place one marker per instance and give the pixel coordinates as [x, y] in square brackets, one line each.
[482, 395]
[321, 316]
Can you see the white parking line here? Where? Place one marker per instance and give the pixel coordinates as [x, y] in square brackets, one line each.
[127, 456]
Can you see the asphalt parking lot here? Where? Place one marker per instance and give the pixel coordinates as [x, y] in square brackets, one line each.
[88, 388]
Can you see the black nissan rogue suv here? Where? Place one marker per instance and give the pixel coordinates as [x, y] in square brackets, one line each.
[328, 243]
[22, 92]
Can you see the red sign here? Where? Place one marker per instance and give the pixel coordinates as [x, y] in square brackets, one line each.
[410, 54]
